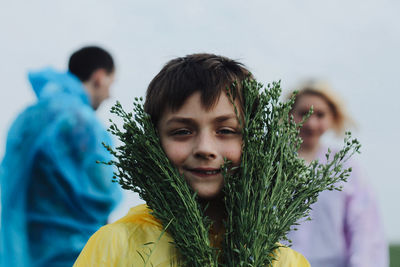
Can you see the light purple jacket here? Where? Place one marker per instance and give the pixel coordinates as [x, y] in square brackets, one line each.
[346, 228]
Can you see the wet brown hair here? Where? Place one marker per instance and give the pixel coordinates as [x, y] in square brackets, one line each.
[181, 77]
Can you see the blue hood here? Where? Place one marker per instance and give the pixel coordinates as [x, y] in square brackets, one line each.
[49, 82]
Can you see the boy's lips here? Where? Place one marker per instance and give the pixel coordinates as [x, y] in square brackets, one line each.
[204, 172]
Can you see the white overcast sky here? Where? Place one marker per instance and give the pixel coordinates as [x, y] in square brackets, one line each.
[354, 45]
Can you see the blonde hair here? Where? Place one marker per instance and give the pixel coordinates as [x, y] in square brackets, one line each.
[341, 119]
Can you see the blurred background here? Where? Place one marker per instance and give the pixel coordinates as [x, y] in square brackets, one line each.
[353, 45]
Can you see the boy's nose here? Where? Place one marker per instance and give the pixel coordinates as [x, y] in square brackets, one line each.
[204, 147]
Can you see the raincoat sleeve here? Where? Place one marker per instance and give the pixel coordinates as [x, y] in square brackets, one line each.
[77, 192]
[77, 143]
[131, 241]
[106, 248]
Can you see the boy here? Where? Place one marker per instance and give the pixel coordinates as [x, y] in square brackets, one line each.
[198, 128]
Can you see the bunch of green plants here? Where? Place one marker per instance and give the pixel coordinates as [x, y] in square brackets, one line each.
[143, 167]
[269, 192]
[273, 188]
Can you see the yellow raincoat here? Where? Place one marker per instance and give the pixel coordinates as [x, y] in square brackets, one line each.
[138, 237]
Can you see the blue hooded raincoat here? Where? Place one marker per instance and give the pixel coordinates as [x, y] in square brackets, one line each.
[54, 195]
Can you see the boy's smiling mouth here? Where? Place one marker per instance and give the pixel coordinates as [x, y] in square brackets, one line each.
[204, 171]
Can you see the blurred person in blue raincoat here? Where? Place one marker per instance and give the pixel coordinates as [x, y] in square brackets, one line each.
[54, 195]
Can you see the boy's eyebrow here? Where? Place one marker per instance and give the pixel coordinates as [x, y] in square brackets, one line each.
[191, 121]
[180, 120]
[226, 117]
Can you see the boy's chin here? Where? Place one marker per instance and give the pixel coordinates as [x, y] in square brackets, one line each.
[207, 197]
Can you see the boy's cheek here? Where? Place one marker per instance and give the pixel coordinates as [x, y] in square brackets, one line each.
[174, 153]
[234, 154]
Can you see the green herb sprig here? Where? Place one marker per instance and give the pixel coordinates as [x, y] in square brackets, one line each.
[143, 167]
[270, 191]
[273, 188]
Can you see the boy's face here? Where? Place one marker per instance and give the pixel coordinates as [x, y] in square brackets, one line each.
[197, 141]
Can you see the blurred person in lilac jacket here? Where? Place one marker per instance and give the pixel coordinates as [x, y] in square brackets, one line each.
[54, 195]
[345, 228]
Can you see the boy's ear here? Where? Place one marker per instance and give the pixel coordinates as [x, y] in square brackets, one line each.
[97, 77]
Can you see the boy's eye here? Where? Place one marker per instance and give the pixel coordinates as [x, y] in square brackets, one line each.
[226, 131]
[181, 132]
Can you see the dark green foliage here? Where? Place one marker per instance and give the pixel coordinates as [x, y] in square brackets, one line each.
[273, 188]
[268, 193]
[394, 251]
[144, 168]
